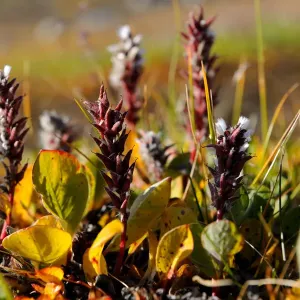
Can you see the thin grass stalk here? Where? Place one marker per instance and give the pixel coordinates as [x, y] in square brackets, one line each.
[275, 117]
[261, 70]
[26, 97]
[191, 100]
[174, 63]
[286, 135]
[212, 132]
[238, 98]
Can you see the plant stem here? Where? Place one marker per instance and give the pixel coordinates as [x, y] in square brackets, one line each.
[8, 217]
[124, 218]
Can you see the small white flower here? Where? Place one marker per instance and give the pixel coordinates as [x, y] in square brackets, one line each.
[248, 134]
[124, 32]
[137, 39]
[6, 71]
[221, 126]
[244, 147]
[244, 123]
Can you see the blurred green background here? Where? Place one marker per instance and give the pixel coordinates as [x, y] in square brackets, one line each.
[57, 48]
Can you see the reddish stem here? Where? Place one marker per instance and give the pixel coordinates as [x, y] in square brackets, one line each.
[8, 217]
[219, 215]
[124, 218]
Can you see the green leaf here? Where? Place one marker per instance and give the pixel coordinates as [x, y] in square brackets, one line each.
[146, 208]
[145, 212]
[200, 256]
[43, 244]
[240, 207]
[92, 189]
[95, 165]
[174, 216]
[5, 292]
[173, 247]
[222, 240]
[61, 180]
[179, 165]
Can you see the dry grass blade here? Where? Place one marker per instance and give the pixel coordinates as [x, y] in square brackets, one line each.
[276, 115]
[213, 283]
[239, 90]
[285, 268]
[266, 281]
[26, 93]
[83, 110]
[286, 135]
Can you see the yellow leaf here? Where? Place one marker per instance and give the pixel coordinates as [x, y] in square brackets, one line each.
[51, 221]
[50, 274]
[89, 269]
[174, 246]
[93, 259]
[136, 244]
[131, 143]
[4, 204]
[150, 272]
[42, 244]
[174, 216]
[24, 194]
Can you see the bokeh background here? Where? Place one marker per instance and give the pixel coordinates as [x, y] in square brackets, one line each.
[57, 48]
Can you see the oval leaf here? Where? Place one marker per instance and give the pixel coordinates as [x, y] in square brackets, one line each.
[222, 240]
[200, 256]
[43, 244]
[60, 179]
[174, 216]
[94, 255]
[146, 208]
[51, 221]
[173, 247]
[24, 194]
[50, 274]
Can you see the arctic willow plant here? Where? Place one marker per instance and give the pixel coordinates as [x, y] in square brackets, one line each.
[127, 68]
[56, 131]
[112, 138]
[231, 152]
[199, 40]
[12, 133]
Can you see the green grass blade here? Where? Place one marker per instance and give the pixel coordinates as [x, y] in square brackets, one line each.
[210, 116]
[261, 70]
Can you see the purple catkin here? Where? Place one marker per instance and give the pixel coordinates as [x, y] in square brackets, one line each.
[231, 156]
[12, 133]
[127, 68]
[199, 40]
[109, 123]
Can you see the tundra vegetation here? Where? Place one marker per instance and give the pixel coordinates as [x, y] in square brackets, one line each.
[137, 216]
